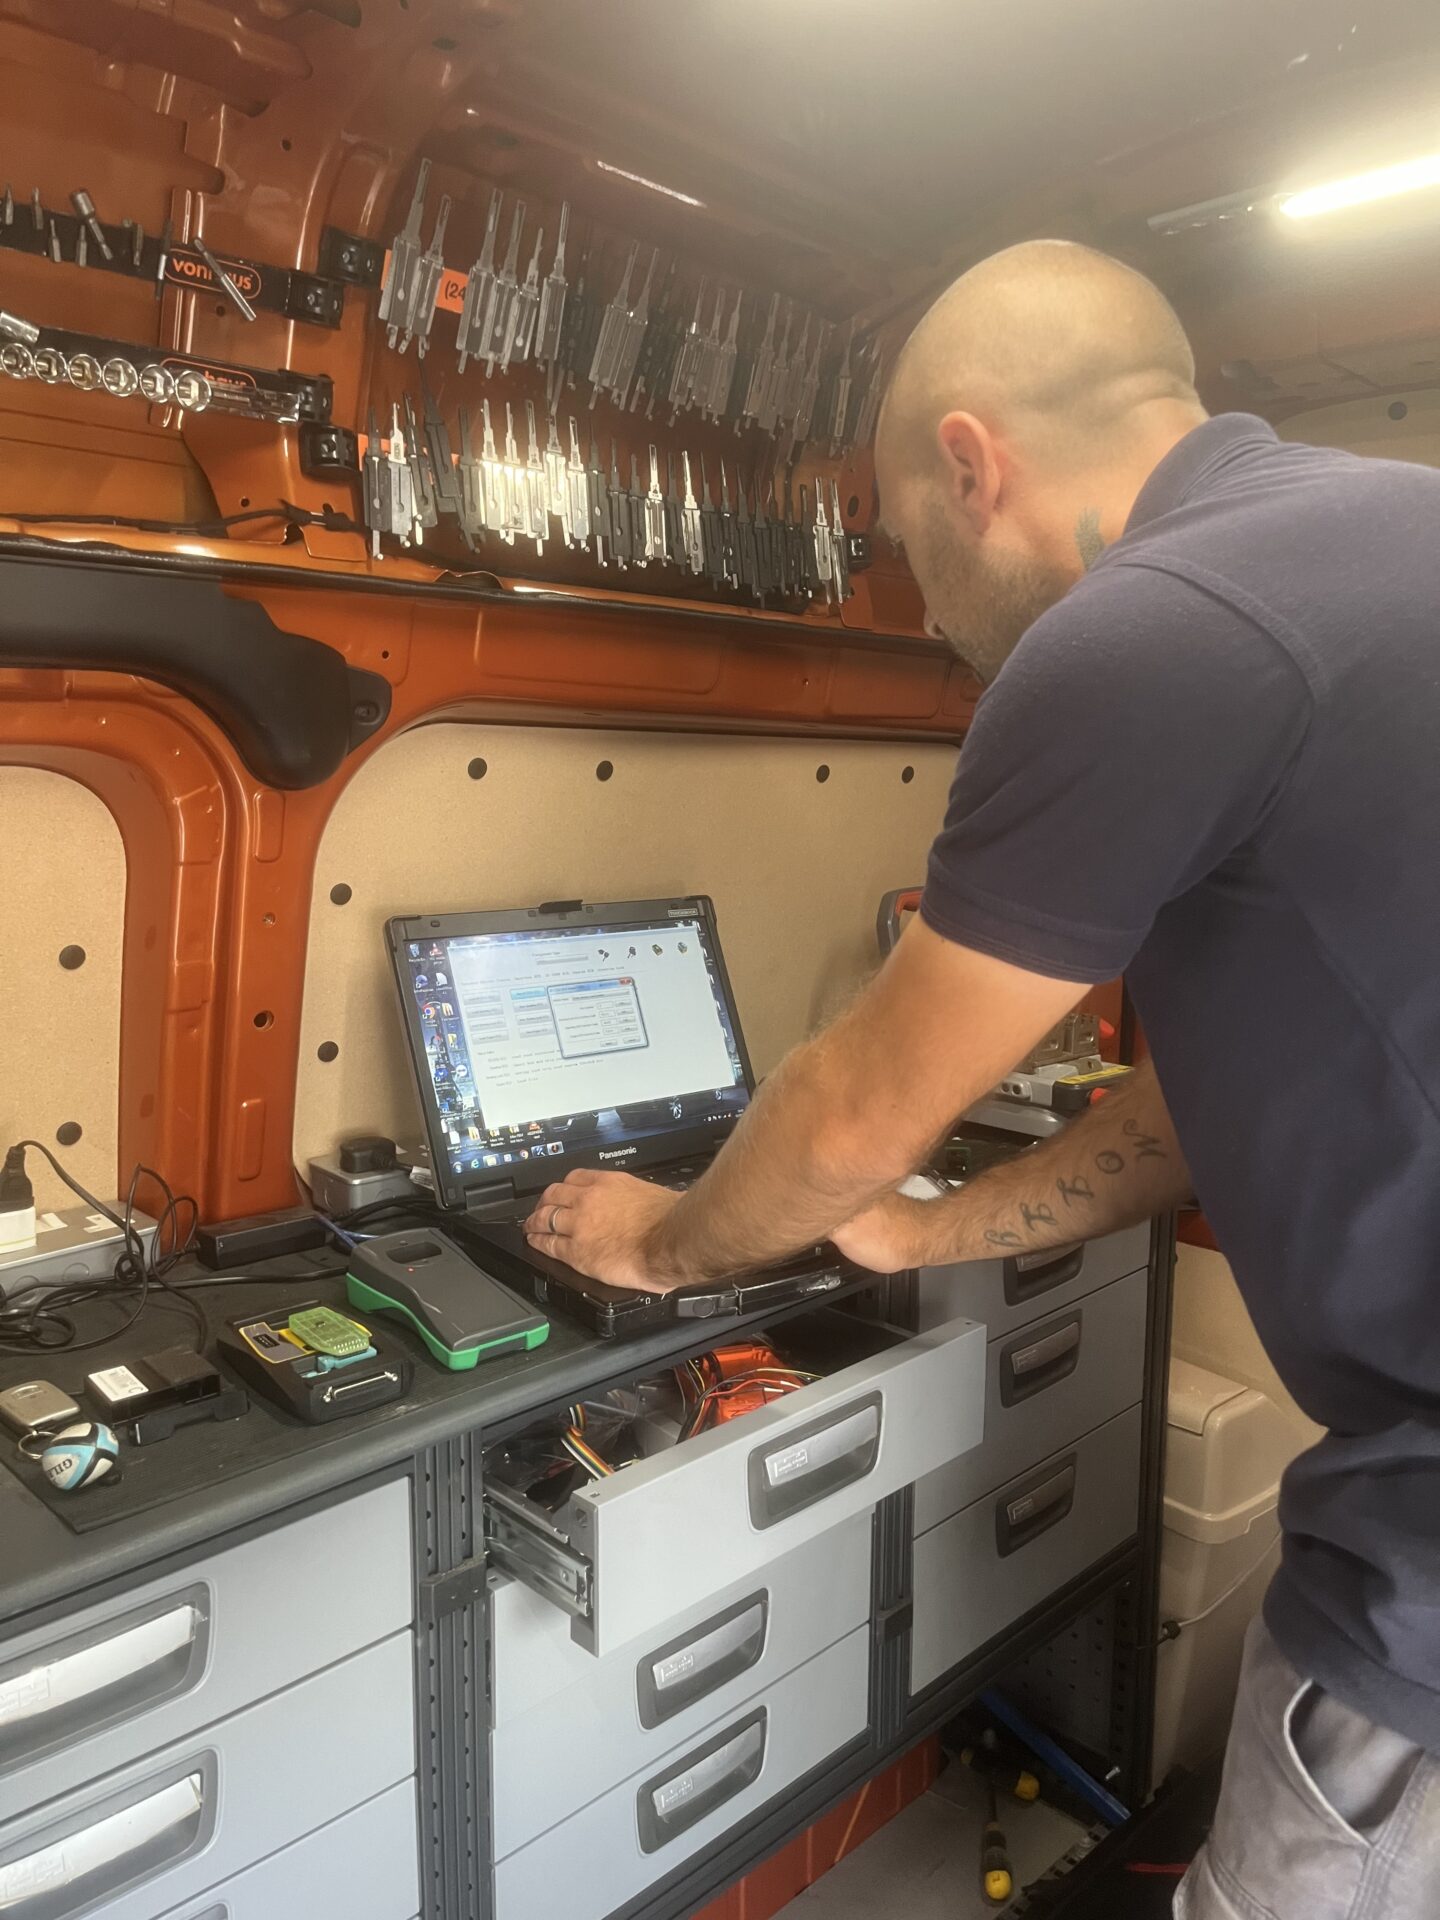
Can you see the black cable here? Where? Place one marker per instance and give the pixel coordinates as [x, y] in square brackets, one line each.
[283, 510]
[421, 1203]
[46, 1325]
[256, 1280]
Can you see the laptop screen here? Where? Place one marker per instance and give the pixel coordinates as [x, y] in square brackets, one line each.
[580, 1044]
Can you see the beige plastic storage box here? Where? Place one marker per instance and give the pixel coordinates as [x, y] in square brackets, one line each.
[1227, 1448]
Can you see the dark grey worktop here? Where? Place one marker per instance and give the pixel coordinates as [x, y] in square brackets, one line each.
[43, 1561]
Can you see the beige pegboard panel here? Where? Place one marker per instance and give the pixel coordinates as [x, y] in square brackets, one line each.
[450, 818]
[62, 878]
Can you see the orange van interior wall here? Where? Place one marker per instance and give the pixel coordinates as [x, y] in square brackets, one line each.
[220, 867]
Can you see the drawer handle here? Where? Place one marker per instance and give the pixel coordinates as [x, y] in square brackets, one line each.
[713, 1774]
[1029, 1274]
[1025, 1512]
[1041, 1358]
[832, 1452]
[686, 1670]
[34, 1694]
[112, 1847]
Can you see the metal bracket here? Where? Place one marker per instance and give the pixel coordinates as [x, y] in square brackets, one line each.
[308, 297]
[857, 545]
[326, 450]
[348, 257]
[524, 1543]
[441, 1594]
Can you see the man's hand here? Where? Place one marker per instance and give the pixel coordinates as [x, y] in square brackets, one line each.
[889, 1237]
[606, 1226]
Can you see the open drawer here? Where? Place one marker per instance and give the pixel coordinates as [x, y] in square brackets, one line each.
[624, 1555]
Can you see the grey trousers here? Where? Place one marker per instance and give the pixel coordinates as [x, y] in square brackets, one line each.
[1322, 1815]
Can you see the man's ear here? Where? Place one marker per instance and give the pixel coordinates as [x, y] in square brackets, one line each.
[972, 467]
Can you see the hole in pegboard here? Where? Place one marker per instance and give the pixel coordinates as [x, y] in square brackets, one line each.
[340, 894]
[268, 919]
[385, 653]
[220, 309]
[852, 505]
[244, 499]
[605, 770]
[822, 774]
[907, 774]
[264, 1018]
[478, 769]
[1397, 410]
[72, 958]
[286, 145]
[69, 1133]
[326, 1052]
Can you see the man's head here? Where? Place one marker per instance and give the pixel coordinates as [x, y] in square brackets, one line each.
[1026, 411]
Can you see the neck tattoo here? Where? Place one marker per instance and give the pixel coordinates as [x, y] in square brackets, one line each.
[1087, 537]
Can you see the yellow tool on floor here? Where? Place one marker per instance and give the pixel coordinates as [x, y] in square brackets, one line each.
[996, 1879]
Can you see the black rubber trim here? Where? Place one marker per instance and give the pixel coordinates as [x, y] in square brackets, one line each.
[478, 589]
[290, 705]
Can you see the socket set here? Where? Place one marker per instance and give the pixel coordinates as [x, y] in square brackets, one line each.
[126, 372]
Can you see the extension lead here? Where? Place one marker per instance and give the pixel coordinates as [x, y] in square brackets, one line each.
[17, 1204]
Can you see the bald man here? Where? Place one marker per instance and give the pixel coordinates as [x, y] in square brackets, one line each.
[1208, 757]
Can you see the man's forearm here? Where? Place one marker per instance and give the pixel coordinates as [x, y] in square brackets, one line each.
[1119, 1163]
[784, 1180]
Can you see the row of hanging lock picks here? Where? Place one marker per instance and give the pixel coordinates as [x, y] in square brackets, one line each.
[636, 347]
[413, 482]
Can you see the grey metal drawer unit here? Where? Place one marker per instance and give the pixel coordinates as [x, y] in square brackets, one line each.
[648, 1825]
[171, 1826]
[567, 1726]
[983, 1569]
[114, 1681]
[1005, 1294]
[717, 1510]
[1046, 1385]
[362, 1866]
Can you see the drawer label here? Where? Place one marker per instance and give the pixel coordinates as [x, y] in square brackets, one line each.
[674, 1793]
[25, 1693]
[782, 1466]
[667, 1672]
[27, 1878]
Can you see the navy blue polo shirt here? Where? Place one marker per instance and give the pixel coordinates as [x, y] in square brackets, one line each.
[1215, 766]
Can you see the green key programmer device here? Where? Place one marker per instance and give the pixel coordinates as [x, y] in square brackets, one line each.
[461, 1314]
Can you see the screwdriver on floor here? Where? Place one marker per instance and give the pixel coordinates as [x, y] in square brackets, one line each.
[997, 1882]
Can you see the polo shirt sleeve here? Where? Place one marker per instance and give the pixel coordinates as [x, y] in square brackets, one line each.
[1138, 736]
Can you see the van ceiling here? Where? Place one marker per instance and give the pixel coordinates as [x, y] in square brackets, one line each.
[855, 155]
